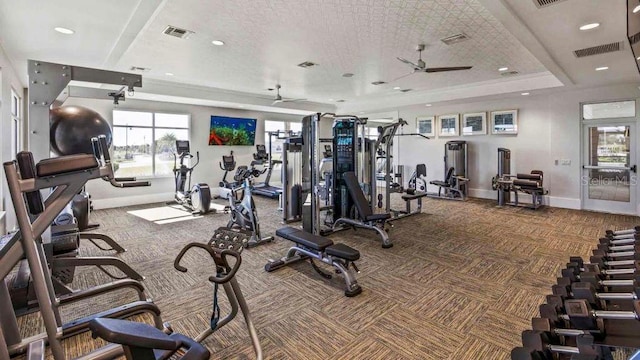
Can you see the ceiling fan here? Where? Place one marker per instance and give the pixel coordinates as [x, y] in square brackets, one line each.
[421, 66]
[279, 99]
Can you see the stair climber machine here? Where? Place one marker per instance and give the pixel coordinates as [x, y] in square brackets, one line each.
[196, 199]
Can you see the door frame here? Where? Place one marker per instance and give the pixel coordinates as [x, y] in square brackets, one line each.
[634, 208]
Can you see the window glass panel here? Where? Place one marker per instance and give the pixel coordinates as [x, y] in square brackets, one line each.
[132, 118]
[273, 125]
[165, 147]
[296, 127]
[132, 151]
[618, 109]
[609, 148]
[172, 120]
[15, 104]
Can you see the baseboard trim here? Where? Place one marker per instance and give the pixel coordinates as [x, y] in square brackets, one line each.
[552, 201]
[131, 200]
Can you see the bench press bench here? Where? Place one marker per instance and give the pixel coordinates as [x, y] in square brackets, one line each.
[310, 246]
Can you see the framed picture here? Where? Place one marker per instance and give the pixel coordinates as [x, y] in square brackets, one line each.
[474, 123]
[449, 125]
[426, 125]
[504, 122]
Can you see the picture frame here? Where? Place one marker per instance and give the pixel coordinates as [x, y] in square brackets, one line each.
[449, 125]
[474, 124]
[426, 125]
[504, 122]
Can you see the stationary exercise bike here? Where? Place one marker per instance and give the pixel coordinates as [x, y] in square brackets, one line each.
[244, 214]
[198, 198]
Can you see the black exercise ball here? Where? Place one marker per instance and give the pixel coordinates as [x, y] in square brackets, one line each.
[72, 127]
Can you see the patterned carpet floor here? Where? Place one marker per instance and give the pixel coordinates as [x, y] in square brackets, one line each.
[461, 282]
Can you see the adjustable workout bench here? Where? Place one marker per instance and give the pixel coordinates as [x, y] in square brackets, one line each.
[367, 218]
[310, 246]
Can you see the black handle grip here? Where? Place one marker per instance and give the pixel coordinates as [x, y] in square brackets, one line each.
[231, 272]
[123, 179]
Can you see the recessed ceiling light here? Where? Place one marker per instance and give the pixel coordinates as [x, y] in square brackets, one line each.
[428, 105]
[638, 58]
[331, 100]
[65, 31]
[503, 69]
[602, 68]
[589, 26]
[361, 112]
[169, 74]
[396, 88]
[524, 94]
[218, 42]
[636, 9]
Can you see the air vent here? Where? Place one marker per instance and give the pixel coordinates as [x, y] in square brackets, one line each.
[177, 32]
[545, 3]
[378, 82]
[405, 90]
[139, 69]
[347, 75]
[341, 100]
[453, 39]
[307, 64]
[509, 73]
[634, 39]
[600, 49]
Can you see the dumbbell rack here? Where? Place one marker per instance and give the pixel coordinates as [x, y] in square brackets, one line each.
[595, 307]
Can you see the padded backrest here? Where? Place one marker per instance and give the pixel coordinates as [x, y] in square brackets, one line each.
[449, 174]
[421, 170]
[241, 173]
[357, 194]
[228, 162]
[27, 168]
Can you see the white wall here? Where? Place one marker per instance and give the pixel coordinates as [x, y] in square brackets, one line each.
[549, 129]
[208, 171]
[8, 80]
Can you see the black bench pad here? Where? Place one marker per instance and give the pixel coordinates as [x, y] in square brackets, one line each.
[343, 251]
[377, 217]
[418, 195]
[440, 183]
[66, 164]
[304, 238]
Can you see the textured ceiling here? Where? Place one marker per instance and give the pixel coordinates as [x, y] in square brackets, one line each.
[266, 39]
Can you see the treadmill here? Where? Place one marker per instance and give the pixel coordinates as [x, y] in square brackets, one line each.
[261, 157]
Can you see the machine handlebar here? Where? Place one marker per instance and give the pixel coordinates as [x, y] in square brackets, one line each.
[220, 258]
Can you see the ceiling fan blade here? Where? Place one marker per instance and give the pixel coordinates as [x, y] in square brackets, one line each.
[403, 76]
[277, 102]
[293, 100]
[452, 68]
[410, 63]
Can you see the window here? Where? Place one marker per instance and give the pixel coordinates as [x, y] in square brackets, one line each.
[276, 143]
[144, 142]
[609, 110]
[16, 122]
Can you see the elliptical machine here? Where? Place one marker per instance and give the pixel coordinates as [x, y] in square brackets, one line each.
[228, 164]
[198, 198]
[244, 214]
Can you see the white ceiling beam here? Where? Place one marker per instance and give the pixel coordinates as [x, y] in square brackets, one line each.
[514, 24]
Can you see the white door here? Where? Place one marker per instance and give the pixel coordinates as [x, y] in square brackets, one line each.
[609, 175]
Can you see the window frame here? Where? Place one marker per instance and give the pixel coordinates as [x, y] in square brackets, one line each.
[16, 122]
[153, 128]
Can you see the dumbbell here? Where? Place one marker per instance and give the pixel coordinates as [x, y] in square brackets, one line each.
[635, 247]
[600, 300]
[593, 270]
[605, 262]
[598, 283]
[624, 241]
[598, 264]
[540, 345]
[625, 232]
[546, 325]
[617, 255]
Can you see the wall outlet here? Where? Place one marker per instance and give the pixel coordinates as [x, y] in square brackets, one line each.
[557, 162]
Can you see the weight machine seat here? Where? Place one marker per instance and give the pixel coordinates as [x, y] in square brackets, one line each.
[447, 179]
[66, 164]
[343, 251]
[304, 238]
[364, 210]
[532, 176]
[528, 185]
[140, 335]
[417, 195]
